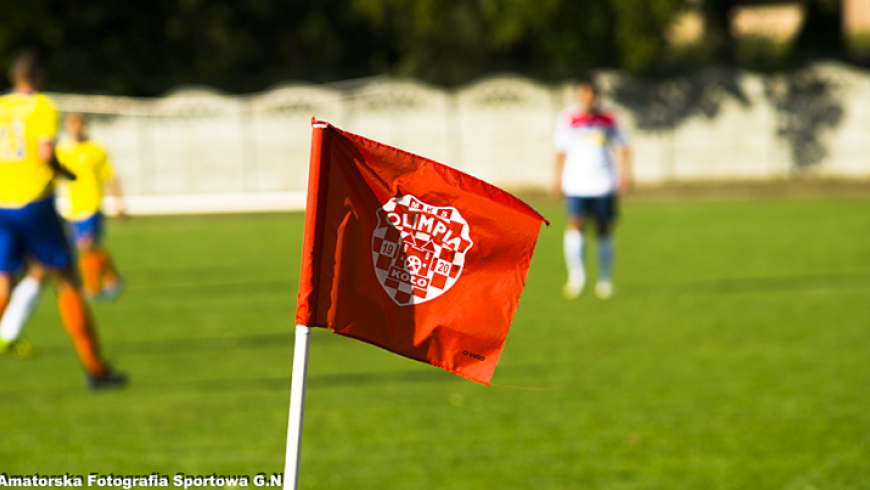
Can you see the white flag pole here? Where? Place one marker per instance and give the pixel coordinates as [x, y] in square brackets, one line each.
[312, 248]
[297, 406]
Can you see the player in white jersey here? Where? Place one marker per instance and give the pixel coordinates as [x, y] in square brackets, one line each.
[592, 167]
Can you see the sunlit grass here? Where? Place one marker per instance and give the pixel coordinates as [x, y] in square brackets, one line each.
[734, 355]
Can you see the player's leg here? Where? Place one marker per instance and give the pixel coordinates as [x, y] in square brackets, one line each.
[45, 239]
[21, 305]
[78, 322]
[112, 284]
[572, 246]
[99, 278]
[605, 217]
[90, 260]
[11, 260]
[11, 256]
[5, 290]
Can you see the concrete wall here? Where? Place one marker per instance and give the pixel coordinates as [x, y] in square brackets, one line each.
[196, 150]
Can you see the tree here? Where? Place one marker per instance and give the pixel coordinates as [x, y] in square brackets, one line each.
[451, 42]
[144, 47]
[822, 32]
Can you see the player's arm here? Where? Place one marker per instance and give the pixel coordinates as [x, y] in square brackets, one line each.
[46, 128]
[45, 152]
[624, 176]
[60, 170]
[113, 189]
[622, 152]
[558, 165]
[561, 144]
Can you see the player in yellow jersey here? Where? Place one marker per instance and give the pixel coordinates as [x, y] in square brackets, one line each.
[79, 203]
[29, 223]
[80, 206]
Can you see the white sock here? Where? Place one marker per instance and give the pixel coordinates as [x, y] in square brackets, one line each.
[20, 307]
[605, 258]
[573, 246]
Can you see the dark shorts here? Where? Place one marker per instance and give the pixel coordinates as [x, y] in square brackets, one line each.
[35, 229]
[602, 208]
[88, 229]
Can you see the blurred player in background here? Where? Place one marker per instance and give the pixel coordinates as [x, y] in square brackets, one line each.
[592, 167]
[80, 205]
[29, 223]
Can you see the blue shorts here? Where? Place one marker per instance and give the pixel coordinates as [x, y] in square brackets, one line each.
[35, 229]
[88, 229]
[602, 208]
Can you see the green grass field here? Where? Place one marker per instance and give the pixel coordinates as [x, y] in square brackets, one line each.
[737, 357]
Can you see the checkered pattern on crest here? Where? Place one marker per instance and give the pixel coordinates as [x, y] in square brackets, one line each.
[411, 260]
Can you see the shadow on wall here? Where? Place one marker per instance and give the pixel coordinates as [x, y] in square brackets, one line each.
[806, 104]
[665, 105]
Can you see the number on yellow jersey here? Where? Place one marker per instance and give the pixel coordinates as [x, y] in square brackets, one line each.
[13, 146]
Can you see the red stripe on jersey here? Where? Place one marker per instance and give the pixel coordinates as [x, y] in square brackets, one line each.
[601, 120]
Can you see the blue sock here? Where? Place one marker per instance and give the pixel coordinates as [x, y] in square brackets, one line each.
[605, 258]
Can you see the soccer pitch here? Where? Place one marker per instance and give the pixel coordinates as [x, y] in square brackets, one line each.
[734, 355]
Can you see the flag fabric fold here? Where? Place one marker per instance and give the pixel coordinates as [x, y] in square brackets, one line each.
[411, 255]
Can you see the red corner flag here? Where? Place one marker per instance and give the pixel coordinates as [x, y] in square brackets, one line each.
[411, 255]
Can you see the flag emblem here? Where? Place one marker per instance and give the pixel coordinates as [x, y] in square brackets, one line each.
[418, 249]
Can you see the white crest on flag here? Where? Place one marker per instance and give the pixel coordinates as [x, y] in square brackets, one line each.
[418, 249]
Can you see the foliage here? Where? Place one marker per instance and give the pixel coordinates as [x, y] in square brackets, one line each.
[144, 47]
[451, 42]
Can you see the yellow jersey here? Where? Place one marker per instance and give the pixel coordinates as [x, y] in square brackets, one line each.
[27, 120]
[82, 197]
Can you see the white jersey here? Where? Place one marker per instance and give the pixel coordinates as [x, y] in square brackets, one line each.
[587, 141]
